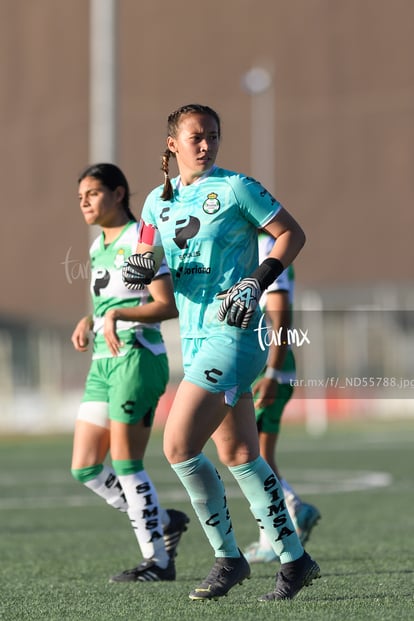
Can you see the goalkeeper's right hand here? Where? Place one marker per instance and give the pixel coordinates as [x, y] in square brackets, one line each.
[138, 271]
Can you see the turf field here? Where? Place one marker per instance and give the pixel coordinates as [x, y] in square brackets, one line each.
[59, 544]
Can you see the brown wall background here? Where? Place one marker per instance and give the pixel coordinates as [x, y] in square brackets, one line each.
[344, 131]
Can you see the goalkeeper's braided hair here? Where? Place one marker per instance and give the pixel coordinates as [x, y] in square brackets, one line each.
[167, 191]
[172, 128]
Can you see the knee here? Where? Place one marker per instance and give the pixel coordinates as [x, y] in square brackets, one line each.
[83, 475]
[236, 456]
[176, 453]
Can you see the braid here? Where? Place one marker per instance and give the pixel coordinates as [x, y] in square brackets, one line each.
[167, 192]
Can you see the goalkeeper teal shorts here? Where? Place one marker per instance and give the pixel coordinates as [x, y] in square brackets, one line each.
[227, 363]
[128, 386]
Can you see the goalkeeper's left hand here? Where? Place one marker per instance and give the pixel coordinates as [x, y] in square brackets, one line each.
[239, 302]
[138, 271]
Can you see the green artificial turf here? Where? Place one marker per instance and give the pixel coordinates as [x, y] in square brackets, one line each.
[59, 543]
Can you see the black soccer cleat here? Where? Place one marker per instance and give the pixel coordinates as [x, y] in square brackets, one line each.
[225, 574]
[292, 577]
[174, 530]
[147, 571]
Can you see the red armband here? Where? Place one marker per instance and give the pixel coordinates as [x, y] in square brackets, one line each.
[148, 234]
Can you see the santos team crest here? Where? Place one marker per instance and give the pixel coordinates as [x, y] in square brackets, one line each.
[120, 258]
[211, 204]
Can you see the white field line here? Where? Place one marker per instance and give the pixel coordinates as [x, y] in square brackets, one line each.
[312, 482]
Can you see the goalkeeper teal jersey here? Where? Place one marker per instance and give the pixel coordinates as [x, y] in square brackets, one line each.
[108, 291]
[209, 235]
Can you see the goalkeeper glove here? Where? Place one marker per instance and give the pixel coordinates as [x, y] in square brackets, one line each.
[138, 271]
[241, 300]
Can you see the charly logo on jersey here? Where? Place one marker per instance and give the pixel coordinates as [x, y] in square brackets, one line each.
[164, 215]
[119, 258]
[211, 204]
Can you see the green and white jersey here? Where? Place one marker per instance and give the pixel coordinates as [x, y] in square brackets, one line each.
[284, 282]
[209, 235]
[108, 291]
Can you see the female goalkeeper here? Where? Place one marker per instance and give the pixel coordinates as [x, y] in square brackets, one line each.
[205, 222]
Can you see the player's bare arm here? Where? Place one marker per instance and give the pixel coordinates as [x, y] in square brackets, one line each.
[290, 237]
[278, 315]
[80, 335]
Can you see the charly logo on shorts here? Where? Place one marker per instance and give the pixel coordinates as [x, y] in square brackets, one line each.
[211, 204]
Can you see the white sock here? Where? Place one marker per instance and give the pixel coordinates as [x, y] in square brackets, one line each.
[293, 501]
[164, 517]
[145, 516]
[107, 486]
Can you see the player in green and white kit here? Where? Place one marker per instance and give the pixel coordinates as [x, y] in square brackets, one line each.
[272, 390]
[205, 222]
[127, 376]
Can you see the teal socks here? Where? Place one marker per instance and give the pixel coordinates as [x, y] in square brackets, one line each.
[262, 489]
[208, 498]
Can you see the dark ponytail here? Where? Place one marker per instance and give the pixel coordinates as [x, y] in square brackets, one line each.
[111, 177]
